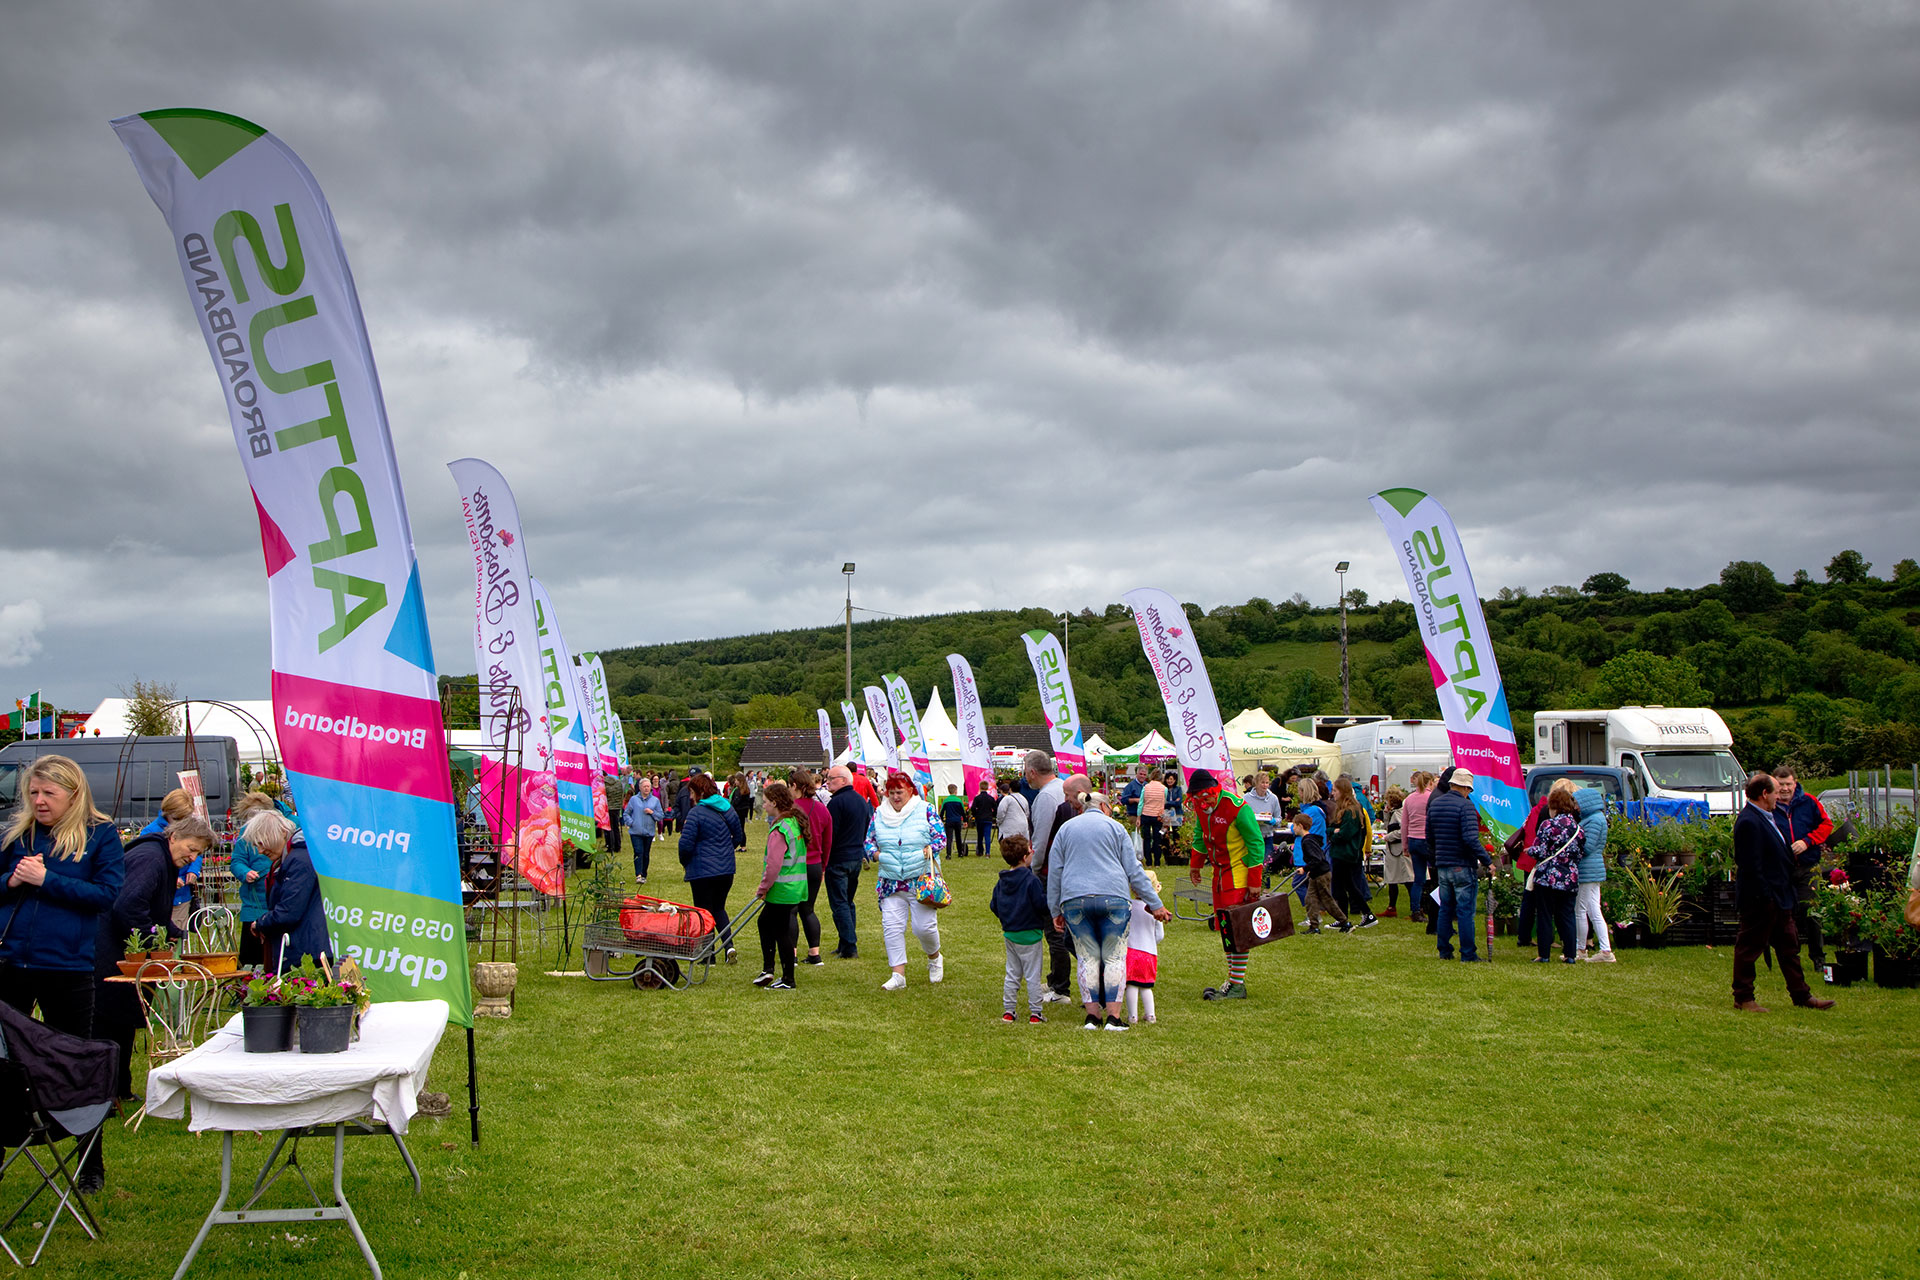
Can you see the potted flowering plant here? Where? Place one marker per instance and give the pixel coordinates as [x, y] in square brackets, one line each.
[327, 1006]
[266, 1019]
[1896, 944]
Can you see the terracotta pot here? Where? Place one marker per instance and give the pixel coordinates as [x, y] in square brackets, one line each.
[493, 982]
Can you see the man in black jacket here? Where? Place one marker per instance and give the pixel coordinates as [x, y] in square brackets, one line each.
[984, 807]
[851, 815]
[1764, 884]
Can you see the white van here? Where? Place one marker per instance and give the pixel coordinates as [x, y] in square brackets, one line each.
[1387, 753]
[1679, 753]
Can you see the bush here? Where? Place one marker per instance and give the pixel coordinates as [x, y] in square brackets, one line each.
[1642, 679]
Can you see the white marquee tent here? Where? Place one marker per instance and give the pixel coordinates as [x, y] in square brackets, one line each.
[1256, 741]
[1152, 749]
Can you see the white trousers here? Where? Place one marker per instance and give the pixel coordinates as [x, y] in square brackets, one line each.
[898, 911]
[1586, 910]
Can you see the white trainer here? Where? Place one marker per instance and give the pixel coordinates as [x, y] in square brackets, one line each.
[936, 968]
[895, 982]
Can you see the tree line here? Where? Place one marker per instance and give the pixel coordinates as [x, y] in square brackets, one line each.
[1822, 673]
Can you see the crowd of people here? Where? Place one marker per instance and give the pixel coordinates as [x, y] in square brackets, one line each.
[1080, 897]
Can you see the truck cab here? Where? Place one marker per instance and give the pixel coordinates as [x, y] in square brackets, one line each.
[1673, 753]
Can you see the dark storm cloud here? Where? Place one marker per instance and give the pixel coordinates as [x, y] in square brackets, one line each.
[1008, 303]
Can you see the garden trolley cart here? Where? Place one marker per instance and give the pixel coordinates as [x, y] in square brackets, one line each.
[671, 944]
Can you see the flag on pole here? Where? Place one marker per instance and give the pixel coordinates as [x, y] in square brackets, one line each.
[826, 734]
[976, 759]
[907, 717]
[1057, 702]
[572, 768]
[512, 693]
[1473, 701]
[1194, 715]
[883, 725]
[852, 719]
[29, 719]
[355, 700]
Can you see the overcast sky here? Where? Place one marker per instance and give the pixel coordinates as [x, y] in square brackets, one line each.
[1011, 304]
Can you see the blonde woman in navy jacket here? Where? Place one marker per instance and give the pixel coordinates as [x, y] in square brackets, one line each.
[61, 866]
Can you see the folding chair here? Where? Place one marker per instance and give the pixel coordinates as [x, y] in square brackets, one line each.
[54, 1088]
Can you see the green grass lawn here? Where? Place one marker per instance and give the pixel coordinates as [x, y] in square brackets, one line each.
[1369, 1111]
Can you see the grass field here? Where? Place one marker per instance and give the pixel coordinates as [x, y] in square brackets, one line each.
[1369, 1111]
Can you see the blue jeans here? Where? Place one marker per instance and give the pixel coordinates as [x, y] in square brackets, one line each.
[1459, 886]
[1422, 871]
[1098, 926]
[843, 882]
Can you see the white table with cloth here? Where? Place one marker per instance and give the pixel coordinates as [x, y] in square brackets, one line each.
[370, 1089]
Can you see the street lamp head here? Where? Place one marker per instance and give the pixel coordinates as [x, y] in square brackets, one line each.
[1341, 567]
[847, 567]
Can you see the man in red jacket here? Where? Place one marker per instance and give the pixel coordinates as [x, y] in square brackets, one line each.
[1803, 820]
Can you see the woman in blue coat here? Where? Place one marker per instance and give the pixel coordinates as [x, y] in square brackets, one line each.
[295, 924]
[61, 866]
[250, 871]
[708, 838]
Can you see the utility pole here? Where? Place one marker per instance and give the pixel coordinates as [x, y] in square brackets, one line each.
[847, 569]
[1346, 686]
[1066, 637]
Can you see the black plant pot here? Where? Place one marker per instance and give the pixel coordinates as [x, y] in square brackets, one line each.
[1847, 968]
[1653, 941]
[1630, 934]
[266, 1028]
[1895, 971]
[326, 1030]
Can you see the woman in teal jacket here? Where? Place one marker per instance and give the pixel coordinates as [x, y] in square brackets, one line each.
[906, 838]
[1593, 874]
[250, 870]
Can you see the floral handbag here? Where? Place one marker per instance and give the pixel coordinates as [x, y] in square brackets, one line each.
[930, 887]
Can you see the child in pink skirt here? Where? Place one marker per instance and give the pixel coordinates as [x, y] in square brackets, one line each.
[1143, 957]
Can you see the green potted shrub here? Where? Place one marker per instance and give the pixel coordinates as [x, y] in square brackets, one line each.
[1658, 899]
[266, 1019]
[142, 948]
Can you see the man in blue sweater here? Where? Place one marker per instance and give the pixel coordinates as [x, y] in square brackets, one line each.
[1453, 839]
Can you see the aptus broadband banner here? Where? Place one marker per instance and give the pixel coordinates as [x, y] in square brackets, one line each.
[354, 697]
[1473, 701]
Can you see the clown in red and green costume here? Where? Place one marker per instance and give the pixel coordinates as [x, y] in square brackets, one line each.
[1226, 837]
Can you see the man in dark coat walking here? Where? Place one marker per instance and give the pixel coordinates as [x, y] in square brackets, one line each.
[1764, 872]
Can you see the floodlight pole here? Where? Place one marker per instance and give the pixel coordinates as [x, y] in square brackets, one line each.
[1066, 637]
[847, 569]
[1346, 684]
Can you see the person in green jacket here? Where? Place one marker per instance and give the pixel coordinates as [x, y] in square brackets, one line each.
[783, 885]
[1347, 850]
